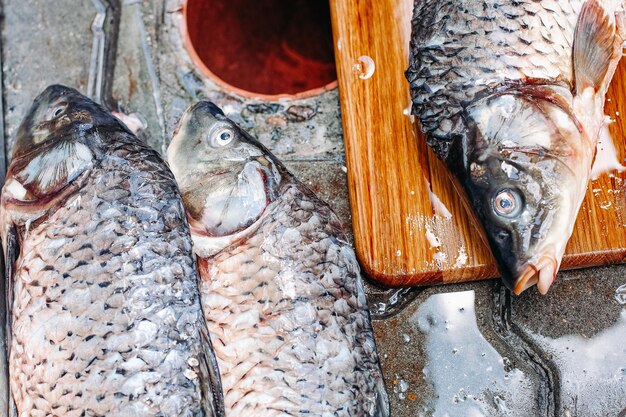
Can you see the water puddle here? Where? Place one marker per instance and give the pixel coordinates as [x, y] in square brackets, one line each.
[468, 376]
[593, 370]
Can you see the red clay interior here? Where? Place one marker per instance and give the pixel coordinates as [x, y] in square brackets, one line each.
[269, 47]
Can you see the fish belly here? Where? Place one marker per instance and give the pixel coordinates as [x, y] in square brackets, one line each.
[289, 321]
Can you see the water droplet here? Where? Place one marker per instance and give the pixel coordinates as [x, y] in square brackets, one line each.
[406, 338]
[365, 67]
[189, 374]
[403, 385]
[381, 307]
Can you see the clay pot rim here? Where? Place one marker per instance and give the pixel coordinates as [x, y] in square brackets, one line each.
[239, 91]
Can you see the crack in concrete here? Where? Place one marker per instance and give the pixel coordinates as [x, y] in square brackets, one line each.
[548, 391]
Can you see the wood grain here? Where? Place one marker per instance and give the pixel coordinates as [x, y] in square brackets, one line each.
[403, 235]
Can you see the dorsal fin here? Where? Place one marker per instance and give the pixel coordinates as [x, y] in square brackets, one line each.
[594, 45]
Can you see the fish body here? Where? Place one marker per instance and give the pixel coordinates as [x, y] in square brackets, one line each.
[103, 305]
[281, 289]
[511, 97]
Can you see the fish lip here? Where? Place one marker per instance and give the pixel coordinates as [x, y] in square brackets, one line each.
[542, 273]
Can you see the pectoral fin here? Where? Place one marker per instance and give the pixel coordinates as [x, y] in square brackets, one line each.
[210, 379]
[54, 168]
[11, 252]
[595, 46]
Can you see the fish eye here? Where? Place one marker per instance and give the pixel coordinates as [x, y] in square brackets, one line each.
[223, 136]
[507, 203]
[56, 111]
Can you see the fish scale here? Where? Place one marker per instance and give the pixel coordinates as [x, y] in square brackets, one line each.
[88, 366]
[483, 47]
[105, 317]
[293, 307]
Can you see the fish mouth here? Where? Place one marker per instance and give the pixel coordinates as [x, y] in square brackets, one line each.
[541, 273]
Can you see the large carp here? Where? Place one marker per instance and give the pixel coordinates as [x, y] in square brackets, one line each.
[281, 289]
[104, 316]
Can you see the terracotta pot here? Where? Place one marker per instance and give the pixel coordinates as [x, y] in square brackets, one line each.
[267, 50]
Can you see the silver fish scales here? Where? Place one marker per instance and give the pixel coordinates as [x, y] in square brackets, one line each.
[281, 289]
[103, 309]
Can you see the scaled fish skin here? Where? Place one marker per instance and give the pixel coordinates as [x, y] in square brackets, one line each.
[281, 289]
[511, 96]
[103, 305]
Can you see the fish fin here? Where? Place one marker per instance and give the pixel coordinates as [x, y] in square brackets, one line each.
[11, 251]
[51, 170]
[594, 46]
[210, 379]
[382, 400]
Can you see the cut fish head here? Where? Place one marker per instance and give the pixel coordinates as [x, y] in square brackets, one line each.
[521, 167]
[226, 177]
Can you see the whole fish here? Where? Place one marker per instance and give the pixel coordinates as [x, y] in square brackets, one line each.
[511, 96]
[103, 306]
[281, 290]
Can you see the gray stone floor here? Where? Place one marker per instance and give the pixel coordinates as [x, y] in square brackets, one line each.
[459, 350]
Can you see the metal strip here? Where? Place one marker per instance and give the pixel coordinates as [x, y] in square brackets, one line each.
[154, 79]
[96, 66]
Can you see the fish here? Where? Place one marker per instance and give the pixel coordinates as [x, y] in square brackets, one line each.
[511, 98]
[103, 310]
[280, 285]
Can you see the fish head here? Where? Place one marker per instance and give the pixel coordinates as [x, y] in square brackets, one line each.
[54, 145]
[226, 177]
[521, 169]
[57, 114]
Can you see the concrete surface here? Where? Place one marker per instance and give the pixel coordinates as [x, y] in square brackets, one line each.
[459, 350]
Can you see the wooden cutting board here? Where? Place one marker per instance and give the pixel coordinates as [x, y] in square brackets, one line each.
[410, 227]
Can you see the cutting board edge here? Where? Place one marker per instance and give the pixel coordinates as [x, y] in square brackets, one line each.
[484, 272]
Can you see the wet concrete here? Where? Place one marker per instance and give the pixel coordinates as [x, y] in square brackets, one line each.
[459, 350]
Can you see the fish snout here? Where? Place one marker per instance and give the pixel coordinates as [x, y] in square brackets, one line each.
[541, 273]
